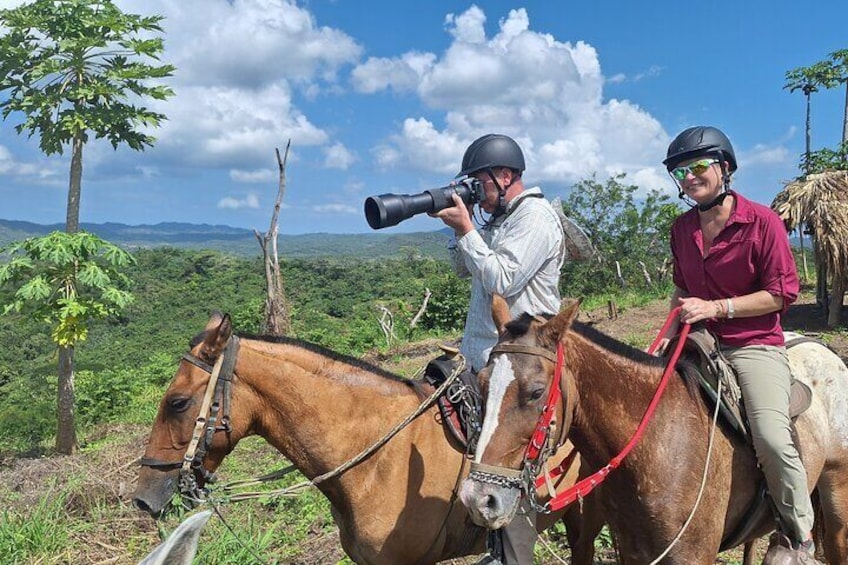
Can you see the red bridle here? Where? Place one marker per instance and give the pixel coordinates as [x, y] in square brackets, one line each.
[582, 488]
[539, 447]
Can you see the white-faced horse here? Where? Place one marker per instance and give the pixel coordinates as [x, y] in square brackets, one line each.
[607, 387]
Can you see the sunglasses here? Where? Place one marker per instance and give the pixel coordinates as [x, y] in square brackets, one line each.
[696, 168]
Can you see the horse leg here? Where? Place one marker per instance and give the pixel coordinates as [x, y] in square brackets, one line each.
[582, 526]
[833, 494]
[749, 553]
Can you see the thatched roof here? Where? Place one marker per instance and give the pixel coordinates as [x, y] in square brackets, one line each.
[820, 201]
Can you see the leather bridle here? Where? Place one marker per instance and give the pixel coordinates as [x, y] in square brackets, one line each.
[216, 406]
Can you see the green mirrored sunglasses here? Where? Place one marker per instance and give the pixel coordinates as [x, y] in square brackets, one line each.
[696, 168]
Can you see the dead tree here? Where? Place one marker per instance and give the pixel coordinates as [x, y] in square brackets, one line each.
[277, 319]
[421, 310]
[387, 324]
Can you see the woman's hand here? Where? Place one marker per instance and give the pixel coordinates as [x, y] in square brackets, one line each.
[693, 310]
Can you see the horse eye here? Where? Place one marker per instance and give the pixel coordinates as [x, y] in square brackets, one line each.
[179, 404]
[536, 394]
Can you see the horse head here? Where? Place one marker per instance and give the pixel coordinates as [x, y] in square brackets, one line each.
[186, 446]
[527, 409]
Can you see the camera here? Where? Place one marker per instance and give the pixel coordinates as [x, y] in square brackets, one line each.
[391, 209]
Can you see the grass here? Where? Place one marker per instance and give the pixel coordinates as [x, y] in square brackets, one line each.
[34, 532]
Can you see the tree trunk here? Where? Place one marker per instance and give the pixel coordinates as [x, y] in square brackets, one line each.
[836, 298]
[74, 186]
[807, 136]
[277, 319]
[66, 435]
[845, 116]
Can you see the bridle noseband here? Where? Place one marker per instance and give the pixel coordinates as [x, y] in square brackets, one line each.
[217, 399]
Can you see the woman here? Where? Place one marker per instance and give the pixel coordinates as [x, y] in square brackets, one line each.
[734, 271]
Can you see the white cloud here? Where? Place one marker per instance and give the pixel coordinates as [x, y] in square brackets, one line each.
[763, 154]
[46, 171]
[336, 209]
[247, 42]
[255, 176]
[337, 156]
[251, 200]
[231, 127]
[546, 93]
[238, 66]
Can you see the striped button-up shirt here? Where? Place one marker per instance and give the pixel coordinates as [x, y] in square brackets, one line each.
[518, 256]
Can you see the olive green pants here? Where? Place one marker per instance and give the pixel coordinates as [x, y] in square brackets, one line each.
[765, 378]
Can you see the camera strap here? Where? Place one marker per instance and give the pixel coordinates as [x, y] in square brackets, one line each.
[505, 214]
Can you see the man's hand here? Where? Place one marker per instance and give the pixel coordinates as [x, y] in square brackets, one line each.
[457, 216]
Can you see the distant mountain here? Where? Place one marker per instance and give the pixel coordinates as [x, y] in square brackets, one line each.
[239, 241]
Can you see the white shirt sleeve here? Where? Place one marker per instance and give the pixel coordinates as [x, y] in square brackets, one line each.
[516, 253]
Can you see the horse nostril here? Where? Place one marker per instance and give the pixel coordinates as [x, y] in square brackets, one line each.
[492, 502]
[142, 505]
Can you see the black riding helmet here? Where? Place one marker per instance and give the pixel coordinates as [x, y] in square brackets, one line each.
[702, 141]
[491, 151]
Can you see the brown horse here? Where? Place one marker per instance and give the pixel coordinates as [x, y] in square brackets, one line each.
[320, 409]
[607, 387]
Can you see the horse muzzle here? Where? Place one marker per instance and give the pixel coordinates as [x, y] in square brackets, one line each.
[154, 490]
[490, 505]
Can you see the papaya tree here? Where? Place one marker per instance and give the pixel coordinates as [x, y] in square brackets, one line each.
[66, 281]
[72, 69]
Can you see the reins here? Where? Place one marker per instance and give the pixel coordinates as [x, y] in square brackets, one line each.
[357, 459]
[221, 373]
[539, 447]
[582, 488]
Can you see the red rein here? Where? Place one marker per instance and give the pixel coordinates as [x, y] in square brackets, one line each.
[585, 486]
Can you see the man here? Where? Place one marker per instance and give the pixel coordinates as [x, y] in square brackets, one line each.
[518, 253]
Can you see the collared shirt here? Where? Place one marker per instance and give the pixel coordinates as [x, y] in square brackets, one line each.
[751, 253]
[518, 256]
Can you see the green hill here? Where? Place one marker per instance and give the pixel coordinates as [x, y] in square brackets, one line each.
[242, 242]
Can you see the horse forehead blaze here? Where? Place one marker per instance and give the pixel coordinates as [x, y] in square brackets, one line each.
[501, 377]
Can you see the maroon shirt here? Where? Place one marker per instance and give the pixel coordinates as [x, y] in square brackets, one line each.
[751, 253]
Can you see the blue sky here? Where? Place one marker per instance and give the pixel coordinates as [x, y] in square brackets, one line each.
[380, 96]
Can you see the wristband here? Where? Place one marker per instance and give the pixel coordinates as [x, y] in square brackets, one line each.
[730, 309]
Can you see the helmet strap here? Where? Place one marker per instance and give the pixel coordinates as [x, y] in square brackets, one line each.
[725, 182]
[501, 209]
[717, 201]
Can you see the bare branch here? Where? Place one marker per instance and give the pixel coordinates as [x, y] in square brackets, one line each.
[421, 310]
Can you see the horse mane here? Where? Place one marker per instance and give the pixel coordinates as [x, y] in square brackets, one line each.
[521, 325]
[320, 350]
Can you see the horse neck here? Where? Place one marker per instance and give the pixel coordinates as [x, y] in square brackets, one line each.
[317, 410]
[613, 392]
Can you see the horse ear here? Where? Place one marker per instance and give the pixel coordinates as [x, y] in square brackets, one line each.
[500, 312]
[181, 545]
[218, 331]
[557, 326]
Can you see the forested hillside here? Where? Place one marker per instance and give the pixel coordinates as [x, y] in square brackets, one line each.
[242, 242]
[335, 302]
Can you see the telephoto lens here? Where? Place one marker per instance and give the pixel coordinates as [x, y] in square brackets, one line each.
[388, 210]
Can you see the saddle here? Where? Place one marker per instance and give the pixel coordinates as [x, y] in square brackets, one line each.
[703, 351]
[459, 407]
